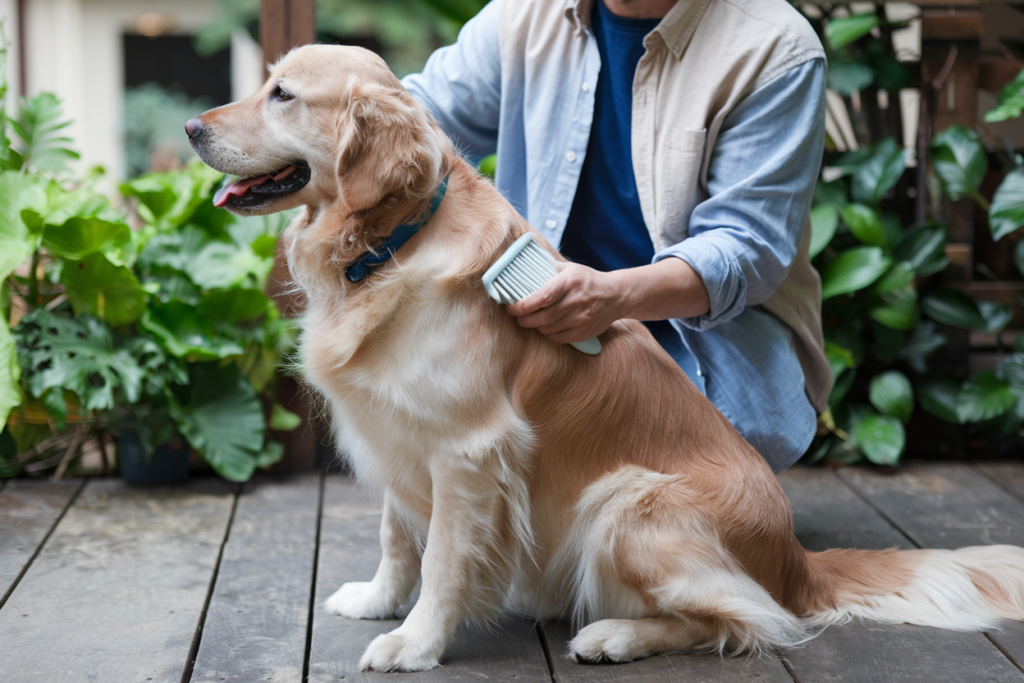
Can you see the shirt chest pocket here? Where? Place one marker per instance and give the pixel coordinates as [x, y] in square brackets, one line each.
[677, 185]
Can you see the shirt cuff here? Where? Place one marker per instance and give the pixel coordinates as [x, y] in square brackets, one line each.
[723, 278]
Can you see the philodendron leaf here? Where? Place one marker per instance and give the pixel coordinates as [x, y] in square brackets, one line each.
[234, 305]
[223, 420]
[824, 221]
[97, 286]
[186, 334]
[841, 32]
[892, 395]
[877, 175]
[864, 223]
[923, 342]
[852, 270]
[78, 237]
[955, 308]
[924, 247]
[1011, 101]
[959, 161]
[18, 192]
[983, 397]
[1006, 213]
[880, 437]
[899, 275]
[997, 316]
[10, 373]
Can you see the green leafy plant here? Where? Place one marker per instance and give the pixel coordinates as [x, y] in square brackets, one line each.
[884, 307]
[162, 329]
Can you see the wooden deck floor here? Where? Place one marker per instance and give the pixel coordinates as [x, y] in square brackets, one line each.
[105, 583]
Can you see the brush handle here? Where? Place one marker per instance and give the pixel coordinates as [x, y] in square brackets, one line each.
[591, 346]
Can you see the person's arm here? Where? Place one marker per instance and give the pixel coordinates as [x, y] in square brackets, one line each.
[461, 84]
[742, 239]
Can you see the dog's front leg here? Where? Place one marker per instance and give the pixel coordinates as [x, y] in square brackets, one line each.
[461, 567]
[396, 575]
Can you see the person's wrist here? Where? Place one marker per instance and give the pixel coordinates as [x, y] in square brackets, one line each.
[626, 296]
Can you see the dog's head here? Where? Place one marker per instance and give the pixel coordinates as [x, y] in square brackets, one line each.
[331, 126]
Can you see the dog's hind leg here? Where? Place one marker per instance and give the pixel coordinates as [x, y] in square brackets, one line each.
[651, 568]
[396, 575]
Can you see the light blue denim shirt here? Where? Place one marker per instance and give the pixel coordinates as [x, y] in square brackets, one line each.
[742, 238]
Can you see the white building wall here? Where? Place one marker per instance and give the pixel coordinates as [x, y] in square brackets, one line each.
[74, 49]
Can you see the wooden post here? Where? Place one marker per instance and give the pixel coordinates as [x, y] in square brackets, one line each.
[285, 24]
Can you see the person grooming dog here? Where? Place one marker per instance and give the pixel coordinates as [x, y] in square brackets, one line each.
[669, 148]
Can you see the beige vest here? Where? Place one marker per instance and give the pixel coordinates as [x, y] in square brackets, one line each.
[702, 59]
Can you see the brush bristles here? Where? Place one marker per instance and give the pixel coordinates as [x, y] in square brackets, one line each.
[524, 274]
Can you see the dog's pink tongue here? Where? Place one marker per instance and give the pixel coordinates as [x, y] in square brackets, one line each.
[237, 188]
[240, 187]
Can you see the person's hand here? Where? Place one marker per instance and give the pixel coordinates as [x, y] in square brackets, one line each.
[577, 304]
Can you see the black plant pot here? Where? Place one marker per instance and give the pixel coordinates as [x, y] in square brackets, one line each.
[167, 465]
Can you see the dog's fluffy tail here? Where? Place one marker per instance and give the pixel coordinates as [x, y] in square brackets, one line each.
[965, 590]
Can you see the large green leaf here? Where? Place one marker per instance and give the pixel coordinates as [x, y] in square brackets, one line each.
[824, 221]
[234, 305]
[924, 247]
[841, 32]
[185, 333]
[1011, 101]
[941, 398]
[983, 397]
[18, 192]
[864, 223]
[892, 395]
[958, 158]
[899, 275]
[852, 270]
[879, 173]
[1006, 213]
[79, 355]
[169, 199]
[10, 373]
[898, 309]
[283, 419]
[997, 316]
[847, 78]
[839, 359]
[880, 437]
[78, 237]
[955, 308]
[223, 420]
[97, 286]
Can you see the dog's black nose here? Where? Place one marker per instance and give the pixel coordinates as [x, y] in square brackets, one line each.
[193, 127]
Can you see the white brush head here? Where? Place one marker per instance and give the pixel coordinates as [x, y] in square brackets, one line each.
[524, 268]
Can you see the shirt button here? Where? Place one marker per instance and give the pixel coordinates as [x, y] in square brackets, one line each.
[550, 223]
[570, 155]
[586, 87]
[700, 373]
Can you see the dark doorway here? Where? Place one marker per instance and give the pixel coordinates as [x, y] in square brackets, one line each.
[172, 61]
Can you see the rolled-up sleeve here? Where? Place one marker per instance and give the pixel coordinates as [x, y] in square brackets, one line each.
[461, 85]
[761, 176]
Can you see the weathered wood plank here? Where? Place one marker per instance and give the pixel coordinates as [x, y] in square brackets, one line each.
[949, 506]
[28, 510]
[1009, 475]
[349, 551]
[117, 592]
[256, 623]
[827, 514]
[689, 667]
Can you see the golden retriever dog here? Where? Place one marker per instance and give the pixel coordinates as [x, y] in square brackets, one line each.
[520, 474]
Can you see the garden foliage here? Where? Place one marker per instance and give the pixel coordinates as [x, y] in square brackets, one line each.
[146, 315]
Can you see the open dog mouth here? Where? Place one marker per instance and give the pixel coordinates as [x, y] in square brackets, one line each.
[259, 191]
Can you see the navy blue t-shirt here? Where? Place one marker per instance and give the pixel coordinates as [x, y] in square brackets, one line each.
[606, 229]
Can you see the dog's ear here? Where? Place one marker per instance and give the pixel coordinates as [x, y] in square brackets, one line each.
[390, 151]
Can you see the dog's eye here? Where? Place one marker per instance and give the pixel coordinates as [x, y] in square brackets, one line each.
[280, 94]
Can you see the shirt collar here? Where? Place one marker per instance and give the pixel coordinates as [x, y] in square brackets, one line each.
[676, 28]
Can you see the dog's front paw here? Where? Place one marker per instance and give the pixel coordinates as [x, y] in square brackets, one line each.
[608, 640]
[361, 600]
[398, 651]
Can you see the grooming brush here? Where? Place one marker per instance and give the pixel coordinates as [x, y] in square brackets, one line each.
[523, 269]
